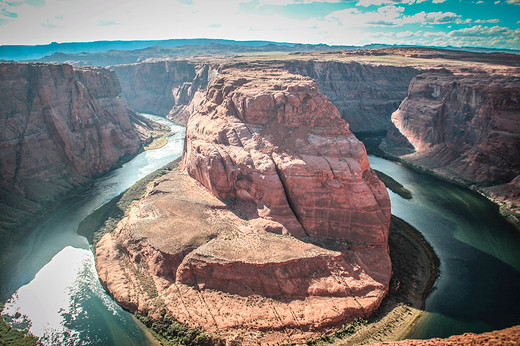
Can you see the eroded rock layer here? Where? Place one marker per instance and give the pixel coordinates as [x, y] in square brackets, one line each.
[183, 251]
[271, 140]
[282, 233]
[60, 126]
[463, 125]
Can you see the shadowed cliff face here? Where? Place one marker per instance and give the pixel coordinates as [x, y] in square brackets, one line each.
[462, 125]
[171, 88]
[365, 95]
[59, 127]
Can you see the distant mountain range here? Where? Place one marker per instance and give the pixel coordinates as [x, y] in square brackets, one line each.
[116, 52]
[20, 52]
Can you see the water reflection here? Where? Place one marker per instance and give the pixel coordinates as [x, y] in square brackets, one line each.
[50, 281]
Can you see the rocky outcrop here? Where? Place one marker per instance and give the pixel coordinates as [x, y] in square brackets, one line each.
[165, 87]
[60, 126]
[297, 240]
[462, 125]
[279, 146]
[365, 94]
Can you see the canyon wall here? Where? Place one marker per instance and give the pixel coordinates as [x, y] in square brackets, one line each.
[165, 87]
[60, 126]
[275, 230]
[365, 94]
[462, 125]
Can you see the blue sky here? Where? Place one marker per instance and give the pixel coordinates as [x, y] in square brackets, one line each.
[478, 23]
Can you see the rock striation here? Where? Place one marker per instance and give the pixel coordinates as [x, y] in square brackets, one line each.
[279, 231]
[462, 125]
[279, 146]
[365, 94]
[60, 126]
[165, 87]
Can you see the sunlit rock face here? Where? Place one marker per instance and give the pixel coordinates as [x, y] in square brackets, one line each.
[61, 125]
[276, 228]
[463, 125]
[273, 141]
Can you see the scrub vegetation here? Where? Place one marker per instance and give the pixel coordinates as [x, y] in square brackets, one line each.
[11, 336]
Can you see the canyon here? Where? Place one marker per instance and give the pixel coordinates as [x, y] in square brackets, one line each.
[273, 226]
[450, 113]
[287, 235]
[60, 126]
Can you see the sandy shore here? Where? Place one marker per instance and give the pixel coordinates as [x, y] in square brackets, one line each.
[415, 270]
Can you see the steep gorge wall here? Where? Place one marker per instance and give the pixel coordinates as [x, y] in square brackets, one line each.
[60, 125]
[365, 95]
[165, 87]
[462, 125]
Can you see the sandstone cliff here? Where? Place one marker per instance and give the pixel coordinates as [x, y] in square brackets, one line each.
[463, 125]
[365, 94]
[297, 240]
[60, 126]
[277, 144]
[165, 87]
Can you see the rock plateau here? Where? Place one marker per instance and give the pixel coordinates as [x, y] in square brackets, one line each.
[276, 228]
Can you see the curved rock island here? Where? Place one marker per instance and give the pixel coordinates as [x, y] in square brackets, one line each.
[274, 228]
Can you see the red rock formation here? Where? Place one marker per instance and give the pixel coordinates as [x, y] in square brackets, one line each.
[60, 126]
[463, 125]
[271, 146]
[277, 144]
[183, 250]
[165, 87]
[365, 94]
[509, 336]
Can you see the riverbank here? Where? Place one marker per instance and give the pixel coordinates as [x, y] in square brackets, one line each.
[415, 266]
[509, 208]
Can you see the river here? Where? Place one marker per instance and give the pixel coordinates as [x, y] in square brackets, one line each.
[50, 281]
[478, 288]
[51, 286]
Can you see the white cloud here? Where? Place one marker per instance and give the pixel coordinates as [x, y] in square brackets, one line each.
[366, 3]
[492, 21]
[484, 36]
[513, 2]
[432, 18]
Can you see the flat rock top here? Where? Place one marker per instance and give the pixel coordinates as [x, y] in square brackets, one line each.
[178, 214]
[260, 247]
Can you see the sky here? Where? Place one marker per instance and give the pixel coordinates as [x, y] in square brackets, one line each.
[474, 23]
